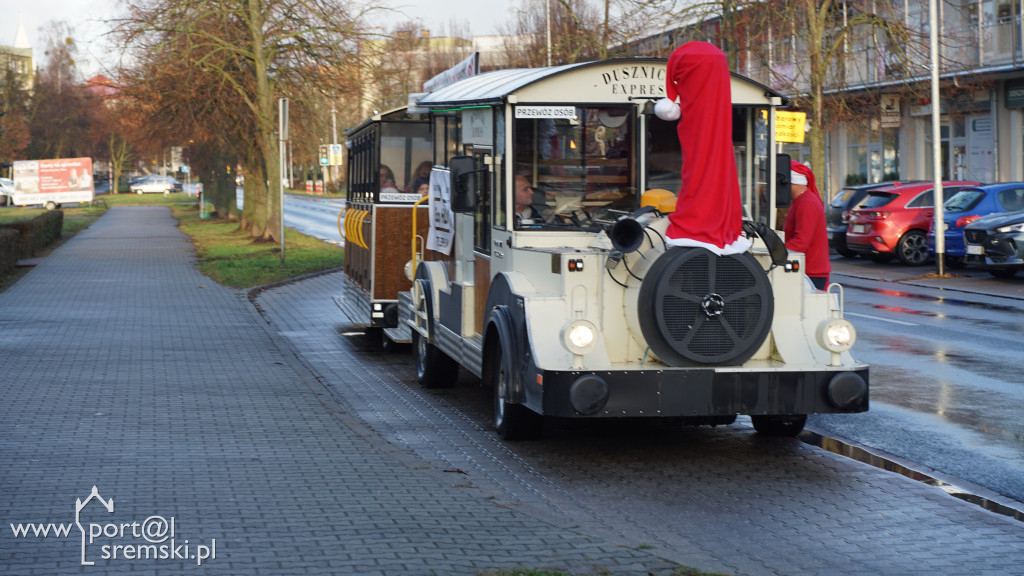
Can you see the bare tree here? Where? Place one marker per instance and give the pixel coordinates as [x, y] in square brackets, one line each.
[61, 114]
[574, 27]
[14, 106]
[258, 50]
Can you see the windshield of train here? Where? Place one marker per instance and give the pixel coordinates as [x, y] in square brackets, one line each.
[750, 140]
[574, 165]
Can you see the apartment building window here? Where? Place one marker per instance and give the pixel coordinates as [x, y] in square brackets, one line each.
[871, 155]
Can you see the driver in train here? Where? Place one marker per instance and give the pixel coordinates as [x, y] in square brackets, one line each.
[527, 206]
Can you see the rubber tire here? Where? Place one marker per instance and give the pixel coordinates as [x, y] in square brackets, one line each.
[434, 368]
[789, 425]
[386, 344]
[375, 336]
[511, 421]
[912, 249]
[1002, 273]
[847, 253]
[51, 205]
[137, 190]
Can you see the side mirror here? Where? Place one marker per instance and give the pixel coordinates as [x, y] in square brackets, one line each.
[783, 194]
[463, 183]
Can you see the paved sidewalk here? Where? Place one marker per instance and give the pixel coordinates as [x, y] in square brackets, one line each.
[124, 369]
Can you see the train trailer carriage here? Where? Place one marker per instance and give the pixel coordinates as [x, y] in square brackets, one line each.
[388, 156]
[553, 281]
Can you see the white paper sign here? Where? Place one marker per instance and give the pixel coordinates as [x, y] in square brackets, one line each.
[442, 219]
[564, 112]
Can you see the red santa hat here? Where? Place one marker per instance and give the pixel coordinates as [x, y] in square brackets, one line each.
[709, 212]
[800, 174]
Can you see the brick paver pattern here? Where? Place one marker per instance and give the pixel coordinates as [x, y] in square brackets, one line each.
[122, 367]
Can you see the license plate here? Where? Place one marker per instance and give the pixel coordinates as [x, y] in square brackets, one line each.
[859, 228]
[975, 249]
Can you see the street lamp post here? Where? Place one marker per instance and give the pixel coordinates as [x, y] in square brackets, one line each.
[938, 221]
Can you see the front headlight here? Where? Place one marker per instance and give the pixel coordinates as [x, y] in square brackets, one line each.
[836, 335]
[579, 336]
[1011, 228]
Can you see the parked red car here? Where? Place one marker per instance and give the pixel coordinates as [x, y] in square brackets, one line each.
[894, 221]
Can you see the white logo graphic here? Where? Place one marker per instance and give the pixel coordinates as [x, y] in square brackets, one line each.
[120, 540]
[79, 506]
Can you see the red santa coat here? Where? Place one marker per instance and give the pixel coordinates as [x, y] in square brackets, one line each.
[805, 227]
[709, 212]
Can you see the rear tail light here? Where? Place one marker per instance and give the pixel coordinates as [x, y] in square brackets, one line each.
[846, 215]
[875, 215]
[965, 220]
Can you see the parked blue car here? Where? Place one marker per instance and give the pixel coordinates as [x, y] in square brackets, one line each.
[968, 205]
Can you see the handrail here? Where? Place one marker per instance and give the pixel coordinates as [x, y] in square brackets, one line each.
[414, 229]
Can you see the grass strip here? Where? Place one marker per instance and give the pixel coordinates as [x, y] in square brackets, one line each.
[232, 258]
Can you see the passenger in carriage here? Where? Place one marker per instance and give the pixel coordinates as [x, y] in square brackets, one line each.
[387, 179]
[420, 186]
[422, 172]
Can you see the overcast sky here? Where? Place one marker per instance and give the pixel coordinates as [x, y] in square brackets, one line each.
[480, 16]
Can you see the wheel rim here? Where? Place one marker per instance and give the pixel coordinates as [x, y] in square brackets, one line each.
[915, 249]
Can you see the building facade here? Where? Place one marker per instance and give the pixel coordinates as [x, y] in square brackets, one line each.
[877, 124]
[887, 134]
[18, 58]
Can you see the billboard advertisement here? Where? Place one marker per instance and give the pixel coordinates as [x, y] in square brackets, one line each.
[56, 181]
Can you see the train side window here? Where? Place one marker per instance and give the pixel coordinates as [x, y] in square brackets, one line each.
[482, 218]
[447, 138]
[499, 198]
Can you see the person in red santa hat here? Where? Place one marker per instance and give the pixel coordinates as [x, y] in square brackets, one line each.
[805, 225]
[708, 212]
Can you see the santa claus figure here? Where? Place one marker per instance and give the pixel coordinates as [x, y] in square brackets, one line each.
[708, 212]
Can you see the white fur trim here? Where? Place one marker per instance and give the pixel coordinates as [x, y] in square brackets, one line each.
[739, 246]
[667, 110]
[797, 178]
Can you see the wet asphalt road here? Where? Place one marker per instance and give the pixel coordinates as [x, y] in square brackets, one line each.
[316, 217]
[946, 384]
[723, 499]
[946, 381]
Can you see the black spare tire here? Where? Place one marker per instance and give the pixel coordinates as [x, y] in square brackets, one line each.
[698, 308]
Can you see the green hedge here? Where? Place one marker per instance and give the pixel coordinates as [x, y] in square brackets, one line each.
[32, 235]
[10, 243]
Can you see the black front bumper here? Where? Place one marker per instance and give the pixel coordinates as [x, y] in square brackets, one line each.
[1001, 251]
[703, 392]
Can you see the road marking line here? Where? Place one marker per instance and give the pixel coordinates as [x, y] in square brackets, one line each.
[880, 318]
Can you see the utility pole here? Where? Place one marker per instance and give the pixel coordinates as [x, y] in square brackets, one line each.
[938, 222]
[334, 137]
[282, 131]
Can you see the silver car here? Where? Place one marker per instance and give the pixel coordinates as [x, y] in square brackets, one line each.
[6, 191]
[154, 183]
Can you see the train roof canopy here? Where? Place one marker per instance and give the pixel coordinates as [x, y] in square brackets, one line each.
[568, 82]
[395, 114]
